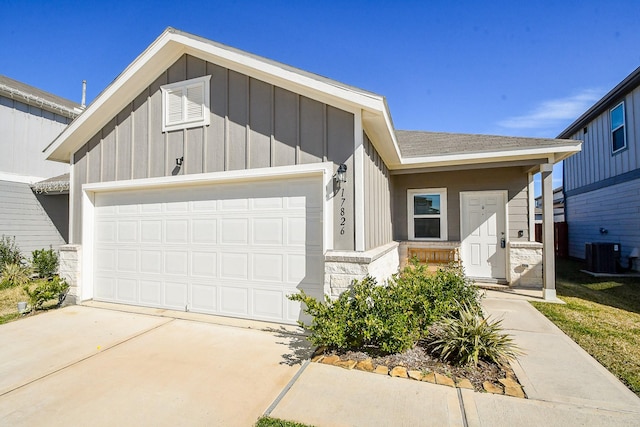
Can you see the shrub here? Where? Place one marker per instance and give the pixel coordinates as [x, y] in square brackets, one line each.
[391, 317]
[56, 288]
[45, 262]
[14, 275]
[9, 251]
[468, 338]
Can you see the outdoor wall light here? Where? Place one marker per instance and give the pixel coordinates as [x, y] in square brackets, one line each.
[179, 161]
[603, 230]
[342, 173]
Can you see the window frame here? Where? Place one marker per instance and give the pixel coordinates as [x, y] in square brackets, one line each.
[442, 192]
[623, 126]
[185, 122]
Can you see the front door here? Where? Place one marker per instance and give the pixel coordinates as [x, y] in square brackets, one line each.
[483, 228]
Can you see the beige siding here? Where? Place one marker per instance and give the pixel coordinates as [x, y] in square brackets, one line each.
[377, 196]
[253, 125]
[513, 179]
[595, 162]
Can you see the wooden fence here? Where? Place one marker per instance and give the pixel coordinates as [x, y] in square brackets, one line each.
[560, 237]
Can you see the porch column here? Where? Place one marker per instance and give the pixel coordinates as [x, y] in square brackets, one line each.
[548, 250]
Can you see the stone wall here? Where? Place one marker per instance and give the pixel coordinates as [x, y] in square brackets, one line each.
[70, 265]
[525, 264]
[341, 268]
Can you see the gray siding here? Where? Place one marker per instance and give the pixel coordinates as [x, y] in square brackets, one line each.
[31, 222]
[513, 179]
[377, 198]
[25, 131]
[616, 208]
[253, 125]
[595, 162]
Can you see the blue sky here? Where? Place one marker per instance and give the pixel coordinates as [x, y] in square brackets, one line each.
[500, 67]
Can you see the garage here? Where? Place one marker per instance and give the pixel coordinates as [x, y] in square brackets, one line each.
[232, 249]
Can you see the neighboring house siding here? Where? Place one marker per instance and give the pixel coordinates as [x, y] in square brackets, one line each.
[377, 198]
[22, 216]
[595, 162]
[25, 131]
[513, 179]
[615, 208]
[253, 125]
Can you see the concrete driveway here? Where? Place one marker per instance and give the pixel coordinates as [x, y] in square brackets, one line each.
[91, 366]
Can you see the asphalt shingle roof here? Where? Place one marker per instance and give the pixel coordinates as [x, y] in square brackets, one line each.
[424, 144]
[11, 86]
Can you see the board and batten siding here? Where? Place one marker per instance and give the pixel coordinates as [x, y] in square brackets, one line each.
[26, 218]
[615, 208]
[512, 179]
[377, 198]
[253, 125]
[595, 162]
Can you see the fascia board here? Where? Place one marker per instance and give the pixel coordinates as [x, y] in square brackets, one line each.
[555, 153]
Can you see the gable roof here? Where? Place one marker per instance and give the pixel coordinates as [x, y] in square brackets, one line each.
[38, 98]
[172, 44]
[609, 100]
[440, 148]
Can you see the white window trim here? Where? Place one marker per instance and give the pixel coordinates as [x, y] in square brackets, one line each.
[623, 125]
[185, 123]
[443, 213]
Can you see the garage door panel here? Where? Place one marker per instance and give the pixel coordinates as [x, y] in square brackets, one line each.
[234, 300]
[231, 249]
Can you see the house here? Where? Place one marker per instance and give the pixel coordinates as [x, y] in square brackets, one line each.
[32, 211]
[602, 183]
[208, 179]
[558, 206]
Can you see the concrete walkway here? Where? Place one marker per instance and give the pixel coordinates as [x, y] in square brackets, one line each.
[565, 386]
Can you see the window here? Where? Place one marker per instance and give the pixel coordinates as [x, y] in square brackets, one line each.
[618, 137]
[185, 104]
[427, 214]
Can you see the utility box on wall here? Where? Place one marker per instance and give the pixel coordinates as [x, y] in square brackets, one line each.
[602, 257]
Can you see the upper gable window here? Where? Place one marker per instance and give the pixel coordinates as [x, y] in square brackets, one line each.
[618, 135]
[185, 104]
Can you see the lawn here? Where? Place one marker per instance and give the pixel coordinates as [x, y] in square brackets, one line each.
[9, 299]
[602, 315]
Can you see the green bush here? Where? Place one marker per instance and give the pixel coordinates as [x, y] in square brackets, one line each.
[45, 262]
[47, 290]
[392, 317]
[14, 275]
[9, 251]
[469, 338]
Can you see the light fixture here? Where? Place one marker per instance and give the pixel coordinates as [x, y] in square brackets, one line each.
[342, 173]
[179, 161]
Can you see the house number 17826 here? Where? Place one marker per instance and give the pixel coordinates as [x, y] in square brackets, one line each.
[343, 219]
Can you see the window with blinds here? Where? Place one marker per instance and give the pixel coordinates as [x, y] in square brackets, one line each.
[185, 104]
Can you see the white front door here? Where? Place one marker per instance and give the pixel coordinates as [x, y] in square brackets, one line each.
[483, 233]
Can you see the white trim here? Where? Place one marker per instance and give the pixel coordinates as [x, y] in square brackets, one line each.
[72, 236]
[531, 207]
[444, 235]
[505, 200]
[358, 183]
[23, 179]
[90, 190]
[185, 123]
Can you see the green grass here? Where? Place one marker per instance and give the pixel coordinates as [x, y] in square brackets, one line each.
[602, 315]
[275, 422]
[9, 298]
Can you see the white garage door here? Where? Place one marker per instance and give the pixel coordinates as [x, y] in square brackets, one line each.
[229, 249]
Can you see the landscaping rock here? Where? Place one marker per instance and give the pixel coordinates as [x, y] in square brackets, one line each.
[319, 351]
[331, 360]
[318, 358]
[381, 369]
[491, 388]
[399, 371]
[429, 377]
[347, 364]
[444, 380]
[514, 392]
[509, 382]
[415, 375]
[365, 365]
[464, 383]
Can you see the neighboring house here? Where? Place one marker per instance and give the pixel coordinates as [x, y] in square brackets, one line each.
[36, 214]
[558, 206]
[208, 179]
[602, 183]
